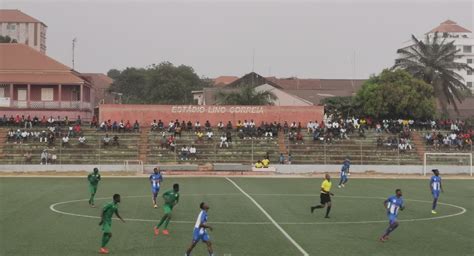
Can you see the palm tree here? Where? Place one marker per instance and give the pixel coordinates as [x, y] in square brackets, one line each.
[433, 61]
[246, 96]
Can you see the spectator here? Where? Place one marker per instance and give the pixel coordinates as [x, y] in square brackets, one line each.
[172, 146]
[290, 158]
[209, 134]
[282, 158]
[192, 152]
[224, 141]
[82, 140]
[163, 141]
[136, 126]
[44, 157]
[177, 131]
[121, 126]
[197, 126]
[266, 162]
[106, 140]
[115, 141]
[259, 164]
[184, 153]
[27, 157]
[220, 126]
[128, 126]
[44, 137]
[94, 122]
[199, 136]
[65, 141]
[51, 121]
[299, 138]
[154, 125]
[229, 136]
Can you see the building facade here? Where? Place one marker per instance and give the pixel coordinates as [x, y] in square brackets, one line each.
[23, 28]
[34, 84]
[463, 39]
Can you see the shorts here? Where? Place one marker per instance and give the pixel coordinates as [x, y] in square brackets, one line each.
[155, 190]
[392, 218]
[92, 189]
[325, 198]
[200, 236]
[435, 194]
[167, 208]
[107, 226]
[343, 177]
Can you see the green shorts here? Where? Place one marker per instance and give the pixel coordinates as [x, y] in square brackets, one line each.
[92, 189]
[107, 227]
[168, 208]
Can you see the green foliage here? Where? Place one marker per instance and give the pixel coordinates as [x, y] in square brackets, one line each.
[246, 96]
[342, 107]
[158, 84]
[396, 94]
[433, 61]
[7, 39]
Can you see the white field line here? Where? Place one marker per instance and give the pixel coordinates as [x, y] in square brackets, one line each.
[52, 207]
[270, 218]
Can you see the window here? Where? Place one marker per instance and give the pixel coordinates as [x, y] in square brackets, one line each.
[11, 26]
[469, 84]
[2, 92]
[469, 61]
[47, 94]
[467, 48]
[469, 73]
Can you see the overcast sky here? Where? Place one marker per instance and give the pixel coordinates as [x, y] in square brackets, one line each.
[313, 39]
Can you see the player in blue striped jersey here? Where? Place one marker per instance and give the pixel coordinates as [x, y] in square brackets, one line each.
[344, 173]
[436, 188]
[155, 180]
[393, 205]
[200, 231]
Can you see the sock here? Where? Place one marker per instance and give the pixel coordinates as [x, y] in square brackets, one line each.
[328, 210]
[390, 229]
[162, 221]
[318, 206]
[435, 201]
[105, 239]
[91, 200]
[167, 222]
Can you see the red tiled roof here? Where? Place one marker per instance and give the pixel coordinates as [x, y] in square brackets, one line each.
[224, 80]
[20, 63]
[450, 26]
[98, 80]
[10, 15]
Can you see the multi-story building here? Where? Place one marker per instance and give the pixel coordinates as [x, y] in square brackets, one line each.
[23, 28]
[464, 42]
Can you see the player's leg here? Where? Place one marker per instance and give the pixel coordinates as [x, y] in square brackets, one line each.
[435, 202]
[167, 222]
[106, 236]
[322, 203]
[346, 179]
[164, 220]
[209, 247]
[393, 224]
[191, 247]
[328, 209]
[92, 190]
[155, 194]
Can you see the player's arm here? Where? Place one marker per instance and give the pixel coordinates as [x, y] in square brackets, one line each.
[118, 216]
[322, 189]
[102, 216]
[205, 225]
[441, 186]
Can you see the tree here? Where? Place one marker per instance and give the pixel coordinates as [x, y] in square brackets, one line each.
[342, 107]
[246, 96]
[433, 61]
[396, 94]
[7, 39]
[157, 84]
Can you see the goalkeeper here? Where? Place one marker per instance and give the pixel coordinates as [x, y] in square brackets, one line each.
[171, 198]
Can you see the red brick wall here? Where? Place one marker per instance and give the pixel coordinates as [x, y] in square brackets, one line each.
[145, 114]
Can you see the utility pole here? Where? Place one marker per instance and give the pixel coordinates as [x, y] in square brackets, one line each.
[74, 41]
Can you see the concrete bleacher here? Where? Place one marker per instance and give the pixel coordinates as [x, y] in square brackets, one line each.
[363, 151]
[92, 153]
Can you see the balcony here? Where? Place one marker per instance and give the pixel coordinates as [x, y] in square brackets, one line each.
[76, 105]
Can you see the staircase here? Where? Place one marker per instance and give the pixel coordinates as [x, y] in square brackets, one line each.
[143, 146]
[419, 145]
[3, 140]
[281, 143]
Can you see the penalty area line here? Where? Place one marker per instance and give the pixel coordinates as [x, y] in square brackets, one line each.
[269, 217]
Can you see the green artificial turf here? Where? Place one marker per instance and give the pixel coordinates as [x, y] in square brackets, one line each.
[29, 227]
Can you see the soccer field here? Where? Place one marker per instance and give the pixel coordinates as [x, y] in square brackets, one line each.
[250, 216]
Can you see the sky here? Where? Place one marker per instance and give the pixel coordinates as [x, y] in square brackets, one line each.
[306, 39]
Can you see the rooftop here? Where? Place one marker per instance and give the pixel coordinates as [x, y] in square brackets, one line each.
[449, 26]
[13, 15]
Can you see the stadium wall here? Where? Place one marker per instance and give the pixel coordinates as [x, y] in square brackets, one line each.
[280, 169]
[145, 114]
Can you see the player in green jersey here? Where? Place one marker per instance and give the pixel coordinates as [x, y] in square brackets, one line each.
[93, 179]
[171, 198]
[106, 221]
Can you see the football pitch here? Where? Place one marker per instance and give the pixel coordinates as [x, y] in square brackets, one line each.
[250, 216]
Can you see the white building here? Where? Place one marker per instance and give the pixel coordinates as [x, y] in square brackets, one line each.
[464, 42]
[23, 28]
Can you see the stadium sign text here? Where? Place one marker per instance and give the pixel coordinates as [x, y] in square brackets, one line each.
[216, 109]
